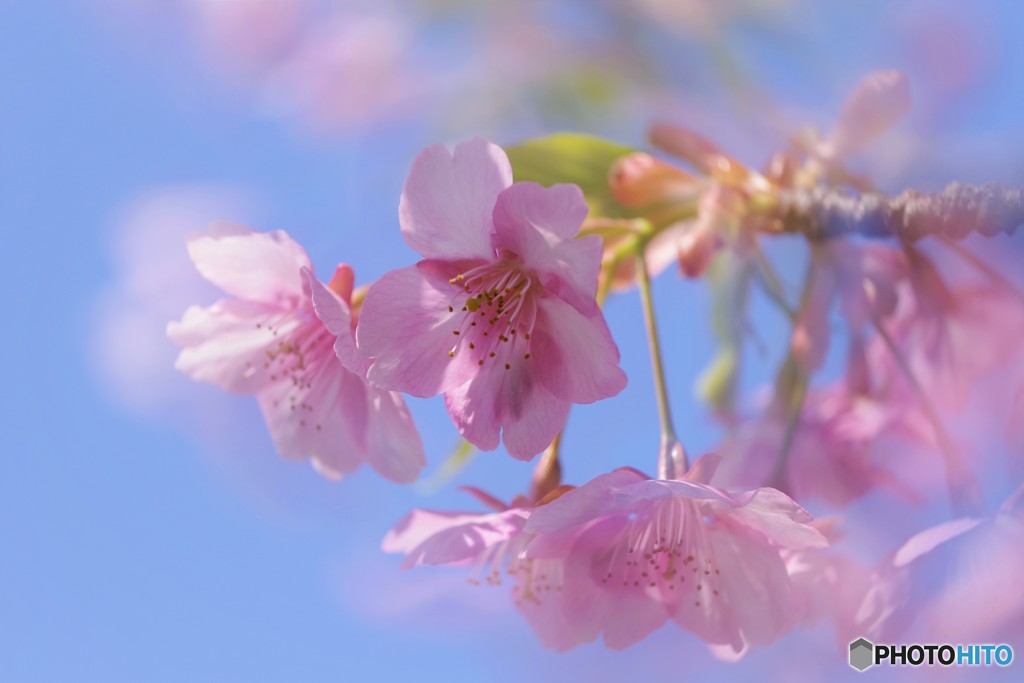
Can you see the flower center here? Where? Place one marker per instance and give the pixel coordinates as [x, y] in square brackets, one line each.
[667, 549]
[532, 579]
[494, 313]
[294, 361]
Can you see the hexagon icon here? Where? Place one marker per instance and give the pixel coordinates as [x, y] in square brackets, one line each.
[862, 654]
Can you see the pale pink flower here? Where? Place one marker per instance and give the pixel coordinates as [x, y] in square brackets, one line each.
[639, 551]
[949, 336]
[270, 342]
[350, 70]
[491, 544]
[245, 37]
[658, 190]
[863, 277]
[500, 316]
[832, 451]
[878, 101]
[958, 581]
[827, 586]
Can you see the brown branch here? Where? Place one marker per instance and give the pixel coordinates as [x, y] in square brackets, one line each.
[824, 213]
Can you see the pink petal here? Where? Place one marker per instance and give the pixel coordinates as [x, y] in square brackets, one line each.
[446, 205]
[318, 432]
[404, 327]
[646, 492]
[782, 522]
[640, 180]
[574, 354]
[752, 606]
[394, 447]
[475, 408]
[879, 100]
[511, 400]
[529, 428]
[579, 506]
[699, 243]
[539, 223]
[336, 316]
[226, 344]
[664, 248]
[429, 537]
[631, 618]
[546, 615]
[625, 615]
[704, 155]
[255, 266]
[930, 539]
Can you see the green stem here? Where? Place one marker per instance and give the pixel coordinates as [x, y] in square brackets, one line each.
[772, 285]
[964, 490]
[794, 408]
[671, 461]
[791, 383]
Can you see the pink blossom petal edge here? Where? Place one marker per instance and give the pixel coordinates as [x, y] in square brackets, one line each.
[878, 101]
[447, 203]
[254, 266]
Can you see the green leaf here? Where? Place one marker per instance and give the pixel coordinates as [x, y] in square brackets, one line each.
[582, 160]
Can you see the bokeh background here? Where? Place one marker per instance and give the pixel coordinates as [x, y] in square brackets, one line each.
[149, 532]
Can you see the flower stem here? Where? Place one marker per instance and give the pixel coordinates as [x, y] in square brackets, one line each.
[794, 408]
[547, 475]
[964, 489]
[791, 386]
[772, 284]
[671, 461]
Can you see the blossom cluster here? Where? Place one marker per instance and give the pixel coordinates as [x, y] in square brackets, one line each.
[503, 317]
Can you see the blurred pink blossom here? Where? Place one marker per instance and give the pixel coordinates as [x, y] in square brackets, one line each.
[958, 582]
[862, 277]
[153, 280]
[950, 335]
[350, 70]
[491, 544]
[276, 340]
[877, 102]
[245, 37]
[834, 449]
[828, 586]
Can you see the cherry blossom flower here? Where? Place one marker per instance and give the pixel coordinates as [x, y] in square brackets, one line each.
[491, 544]
[949, 336]
[827, 586]
[832, 448]
[500, 316]
[863, 277]
[877, 102]
[660, 190]
[638, 551]
[276, 339]
[958, 581]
